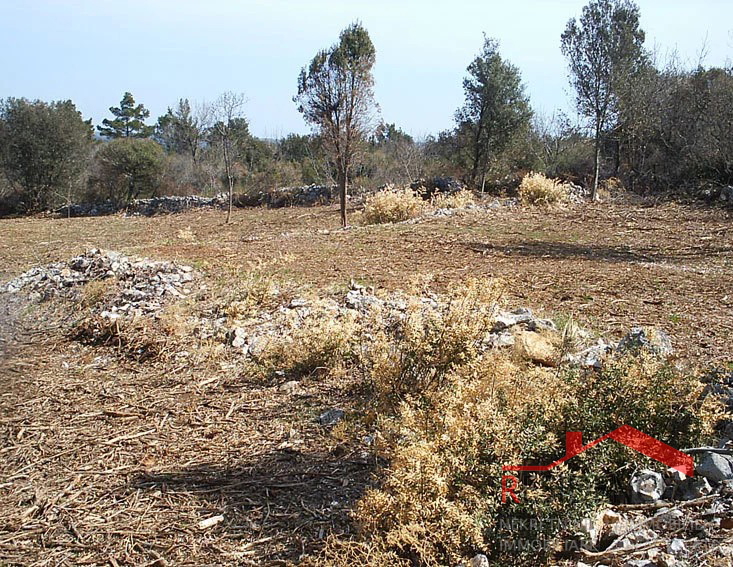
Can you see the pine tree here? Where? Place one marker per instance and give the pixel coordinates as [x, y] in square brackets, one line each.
[129, 121]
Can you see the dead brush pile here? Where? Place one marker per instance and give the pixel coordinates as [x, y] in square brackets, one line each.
[536, 189]
[458, 200]
[398, 205]
[448, 410]
[392, 205]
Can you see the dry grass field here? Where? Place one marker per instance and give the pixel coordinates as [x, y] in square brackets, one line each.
[108, 461]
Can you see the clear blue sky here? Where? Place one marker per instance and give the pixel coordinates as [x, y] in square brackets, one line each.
[91, 51]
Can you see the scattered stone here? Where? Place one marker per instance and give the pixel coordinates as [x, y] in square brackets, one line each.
[331, 417]
[694, 488]
[594, 356]
[136, 286]
[649, 339]
[639, 563]
[676, 546]
[609, 517]
[238, 337]
[715, 467]
[541, 325]
[508, 319]
[360, 300]
[647, 486]
[537, 348]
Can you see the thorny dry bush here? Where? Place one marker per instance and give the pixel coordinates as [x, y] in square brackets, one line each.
[446, 412]
[392, 205]
[397, 205]
[458, 200]
[536, 189]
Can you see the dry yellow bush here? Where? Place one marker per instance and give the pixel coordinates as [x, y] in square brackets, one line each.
[439, 502]
[392, 205]
[450, 414]
[319, 342]
[458, 200]
[95, 291]
[536, 189]
[421, 348]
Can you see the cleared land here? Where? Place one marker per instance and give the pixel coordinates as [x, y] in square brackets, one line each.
[109, 461]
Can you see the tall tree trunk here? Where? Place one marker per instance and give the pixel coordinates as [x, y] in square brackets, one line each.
[229, 180]
[596, 165]
[342, 196]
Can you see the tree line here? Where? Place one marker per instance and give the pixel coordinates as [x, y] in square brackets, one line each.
[654, 125]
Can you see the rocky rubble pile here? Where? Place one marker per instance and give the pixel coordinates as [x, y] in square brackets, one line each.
[535, 338]
[303, 196]
[675, 521]
[144, 207]
[136, 286]
[169, 205]
[433, 186]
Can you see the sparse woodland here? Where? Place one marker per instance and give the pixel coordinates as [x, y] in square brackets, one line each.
[653, 124]
[247, 383]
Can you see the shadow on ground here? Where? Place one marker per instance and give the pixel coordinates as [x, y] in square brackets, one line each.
[569, 250]
[281, 507]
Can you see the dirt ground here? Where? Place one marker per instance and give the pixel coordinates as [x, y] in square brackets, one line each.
[106, 461]
[611, 266]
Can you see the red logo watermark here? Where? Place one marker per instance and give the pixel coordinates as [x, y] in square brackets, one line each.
[625, 435]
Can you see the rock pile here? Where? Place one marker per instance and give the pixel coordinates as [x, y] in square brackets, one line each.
[136, 286]
[534, 338]
[304, 196]
[175, 204]
[144, 207]
[429, 187]
[675, 521]
[89, 209]
[281, 197]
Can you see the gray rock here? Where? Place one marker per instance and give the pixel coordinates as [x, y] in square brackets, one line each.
[541, 325]
[694, 488]
[361, 301]
[676, 546]
[238, 337]
[715, 467]
[647, 486]
[507, 319]
[331, 417]
[137, 286]
[479, 560]
[648, 339]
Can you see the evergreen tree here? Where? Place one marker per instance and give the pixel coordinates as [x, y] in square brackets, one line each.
[129, 121]
[495, 111]
[335, 95]
[603, 48]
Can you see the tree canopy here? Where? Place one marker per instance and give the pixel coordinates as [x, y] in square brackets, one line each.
[131, 168]
[603, 48]
[128, 122]
[182, 130]
[43, 148]
[335, 95]
[495, 110]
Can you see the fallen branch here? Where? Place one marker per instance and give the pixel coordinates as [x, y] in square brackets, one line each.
[129, 437]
